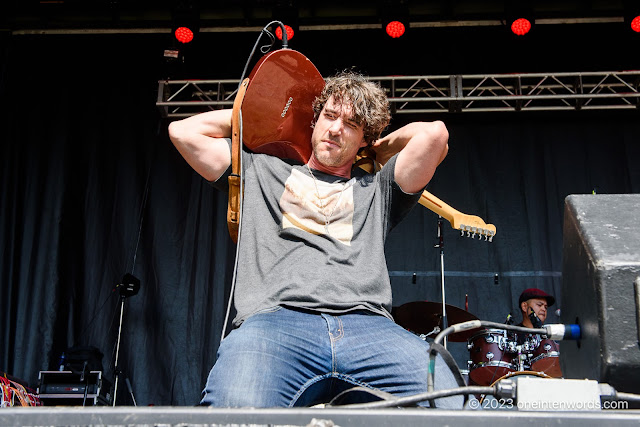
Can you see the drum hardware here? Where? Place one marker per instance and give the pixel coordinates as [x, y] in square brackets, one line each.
[425, 318]
[434, 332]
[465, 375]
[512, 346]
[523, 359]
[494, 354]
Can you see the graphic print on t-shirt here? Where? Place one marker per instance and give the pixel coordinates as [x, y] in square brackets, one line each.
[301, 208]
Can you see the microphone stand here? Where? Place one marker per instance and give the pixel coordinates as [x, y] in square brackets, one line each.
[129, 287]
[116, 370]
[83, 376]
[133, 398]
[444, 306]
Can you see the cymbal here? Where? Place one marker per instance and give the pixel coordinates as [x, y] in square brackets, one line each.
[422, 317]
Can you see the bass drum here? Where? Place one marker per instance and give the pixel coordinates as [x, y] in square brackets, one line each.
[546, 358]
[491, 356]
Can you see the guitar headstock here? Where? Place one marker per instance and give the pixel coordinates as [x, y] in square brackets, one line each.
[471, 225]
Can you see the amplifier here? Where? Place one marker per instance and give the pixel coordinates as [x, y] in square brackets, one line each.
[72, 388]
[601, 266]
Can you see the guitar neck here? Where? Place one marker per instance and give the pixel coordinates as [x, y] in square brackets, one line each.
[469, 224]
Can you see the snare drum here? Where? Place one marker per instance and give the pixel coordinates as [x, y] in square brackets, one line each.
[491, 356]
[546, 358]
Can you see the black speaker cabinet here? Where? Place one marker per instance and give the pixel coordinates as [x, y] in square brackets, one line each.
[601, 263]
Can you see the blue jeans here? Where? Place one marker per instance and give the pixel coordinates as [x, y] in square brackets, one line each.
[283, 358]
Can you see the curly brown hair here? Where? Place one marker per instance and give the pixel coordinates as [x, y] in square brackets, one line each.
[368, 100]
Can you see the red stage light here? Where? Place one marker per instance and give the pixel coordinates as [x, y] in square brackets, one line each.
[395, 29]
[184, 35]
[635, 24]
[289, 32]
[521, 26]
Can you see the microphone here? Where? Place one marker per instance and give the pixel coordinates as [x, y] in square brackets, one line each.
[558, 332]
[535, 320]
[509, 320]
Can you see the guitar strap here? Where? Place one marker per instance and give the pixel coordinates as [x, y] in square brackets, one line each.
[233, 208]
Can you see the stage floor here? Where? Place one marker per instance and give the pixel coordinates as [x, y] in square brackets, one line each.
[187, 416]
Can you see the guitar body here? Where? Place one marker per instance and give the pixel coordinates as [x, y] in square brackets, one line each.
[277, 107]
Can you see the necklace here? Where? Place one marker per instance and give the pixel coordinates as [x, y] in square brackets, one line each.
[327, 218]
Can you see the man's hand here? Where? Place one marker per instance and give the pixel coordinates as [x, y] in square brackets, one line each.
[384, 150]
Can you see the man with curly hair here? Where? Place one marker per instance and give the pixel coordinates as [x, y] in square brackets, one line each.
[313, 295]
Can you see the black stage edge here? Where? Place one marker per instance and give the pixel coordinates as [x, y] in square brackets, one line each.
[185, 416]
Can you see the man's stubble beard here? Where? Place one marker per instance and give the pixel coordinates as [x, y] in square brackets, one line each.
[327, 159]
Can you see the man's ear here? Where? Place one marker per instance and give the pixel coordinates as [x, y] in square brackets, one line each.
[523, 306]
[363, 143]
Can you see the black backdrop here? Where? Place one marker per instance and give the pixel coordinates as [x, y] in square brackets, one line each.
[92, 188]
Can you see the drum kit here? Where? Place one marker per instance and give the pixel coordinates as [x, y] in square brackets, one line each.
[494, 354]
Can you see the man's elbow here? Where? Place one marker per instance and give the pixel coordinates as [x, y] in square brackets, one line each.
[176, 132]
[436, 135]
[439, 136]
[439, 132]
[444, 144]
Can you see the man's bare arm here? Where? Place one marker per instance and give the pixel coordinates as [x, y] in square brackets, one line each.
[422, 146]
[200, 140]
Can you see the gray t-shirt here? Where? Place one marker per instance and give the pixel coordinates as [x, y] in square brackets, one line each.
[287, 258]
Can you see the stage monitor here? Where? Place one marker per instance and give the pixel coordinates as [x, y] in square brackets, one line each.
[600, 268]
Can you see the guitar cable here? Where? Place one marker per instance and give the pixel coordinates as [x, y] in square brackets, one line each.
[266, 48]
[241, 190]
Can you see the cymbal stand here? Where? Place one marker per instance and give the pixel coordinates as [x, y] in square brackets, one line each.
[441, 246]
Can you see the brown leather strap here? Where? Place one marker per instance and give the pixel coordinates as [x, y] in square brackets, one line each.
[233, 208]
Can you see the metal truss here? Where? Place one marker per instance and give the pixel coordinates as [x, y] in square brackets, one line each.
[446, 93]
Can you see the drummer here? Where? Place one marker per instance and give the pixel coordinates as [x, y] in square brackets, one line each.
[543, 353]
[534, 304]
[537, 301]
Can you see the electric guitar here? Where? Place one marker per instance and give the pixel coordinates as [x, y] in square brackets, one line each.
[274, 110]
